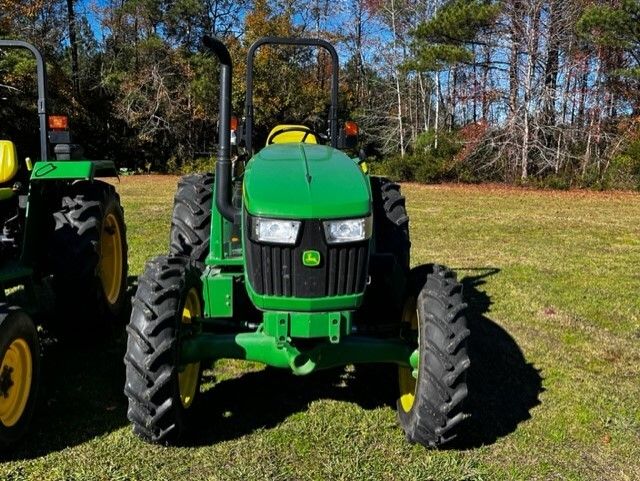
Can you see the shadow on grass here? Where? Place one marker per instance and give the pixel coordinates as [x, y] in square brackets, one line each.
[503, 386]
[81, 380]
[262, 400]
[81, 396]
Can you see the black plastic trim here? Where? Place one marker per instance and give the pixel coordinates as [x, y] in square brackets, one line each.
[277, 269]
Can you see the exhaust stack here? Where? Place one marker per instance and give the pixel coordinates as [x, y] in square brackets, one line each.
[223, 164]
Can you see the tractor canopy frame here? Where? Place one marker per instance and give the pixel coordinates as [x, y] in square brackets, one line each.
[41, 72]
[223, 165]
[308, 42]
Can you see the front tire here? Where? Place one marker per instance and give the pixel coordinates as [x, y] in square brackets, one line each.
[160, 395]
[430, 408]
[89, 254]
[19, 373]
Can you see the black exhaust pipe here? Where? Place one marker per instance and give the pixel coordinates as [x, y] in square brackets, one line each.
[223, 164]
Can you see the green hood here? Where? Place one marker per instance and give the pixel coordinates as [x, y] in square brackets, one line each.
[305, 181]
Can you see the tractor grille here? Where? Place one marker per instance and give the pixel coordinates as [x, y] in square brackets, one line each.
[277, 270]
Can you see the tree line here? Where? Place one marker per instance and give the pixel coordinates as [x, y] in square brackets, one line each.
[535, 91]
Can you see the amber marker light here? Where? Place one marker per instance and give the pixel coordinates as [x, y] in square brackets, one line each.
[58, 122]
[351, 128]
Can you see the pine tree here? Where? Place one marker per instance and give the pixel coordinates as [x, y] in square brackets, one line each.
[616, 29]
[447, 39]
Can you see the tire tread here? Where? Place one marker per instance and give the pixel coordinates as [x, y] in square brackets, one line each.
[441, 388]
[152, 349]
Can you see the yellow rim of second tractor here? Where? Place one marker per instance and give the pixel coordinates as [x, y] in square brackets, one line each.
[17, 364]
[111, 258]
[188, 378]
[406, 381]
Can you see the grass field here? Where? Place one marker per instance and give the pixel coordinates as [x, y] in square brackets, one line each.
[553, 281]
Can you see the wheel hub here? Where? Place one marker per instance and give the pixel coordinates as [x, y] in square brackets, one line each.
[110, 265]
[15, 381]
[189, 376]
[407, 376]
[5, 381]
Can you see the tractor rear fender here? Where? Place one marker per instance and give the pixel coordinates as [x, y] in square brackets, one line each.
[70, 170]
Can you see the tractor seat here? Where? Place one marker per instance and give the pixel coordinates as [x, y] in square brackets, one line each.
[8, 168]
[291, 134]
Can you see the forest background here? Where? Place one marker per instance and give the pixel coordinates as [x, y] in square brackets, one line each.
[538, 92]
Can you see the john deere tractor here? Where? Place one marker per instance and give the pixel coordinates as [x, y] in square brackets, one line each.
[292, 256]
[61, 231]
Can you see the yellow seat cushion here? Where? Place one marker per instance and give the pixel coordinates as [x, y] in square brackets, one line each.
[292, 137]
[8, 161]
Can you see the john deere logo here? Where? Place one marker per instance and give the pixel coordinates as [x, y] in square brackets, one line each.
[311, 258]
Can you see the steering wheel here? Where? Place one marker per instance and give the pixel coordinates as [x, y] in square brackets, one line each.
[306, 130]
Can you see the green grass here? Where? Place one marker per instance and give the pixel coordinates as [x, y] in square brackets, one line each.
[553, 282]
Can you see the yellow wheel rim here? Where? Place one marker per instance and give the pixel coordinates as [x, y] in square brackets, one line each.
[15, 381]
[111, 258]
[188, 378]
[406, 381]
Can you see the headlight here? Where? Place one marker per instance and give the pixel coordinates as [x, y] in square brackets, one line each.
[276, 231]
[347, 230]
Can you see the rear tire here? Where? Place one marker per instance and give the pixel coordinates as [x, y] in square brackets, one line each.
[430, 408]
[160, 397]
[391, 221]
[19, 373]
[191, 218]
[89, 254]
[390, 264]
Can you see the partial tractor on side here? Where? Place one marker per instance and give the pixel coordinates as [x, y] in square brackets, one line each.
[62, 232]
[292, 255]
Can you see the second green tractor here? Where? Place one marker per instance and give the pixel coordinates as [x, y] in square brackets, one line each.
[63, 247]
[293, 256]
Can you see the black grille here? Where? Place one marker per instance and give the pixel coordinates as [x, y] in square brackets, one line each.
[277, 270]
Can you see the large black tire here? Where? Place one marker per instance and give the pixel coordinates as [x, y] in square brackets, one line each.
[18, 345]
[157, 411]
[435, 411]
[191, 219]
[391, 221]
[390, 264]
[90, 219]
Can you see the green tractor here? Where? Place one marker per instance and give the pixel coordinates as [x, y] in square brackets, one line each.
[62, 231]
[296, 258]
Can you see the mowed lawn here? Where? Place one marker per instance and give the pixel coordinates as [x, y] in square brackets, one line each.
[553, 282]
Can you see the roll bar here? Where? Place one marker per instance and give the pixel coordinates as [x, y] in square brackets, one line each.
[311, 42]
[42, 90]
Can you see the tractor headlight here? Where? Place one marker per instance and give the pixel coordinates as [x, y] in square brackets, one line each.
[276, 231]
[347, 230]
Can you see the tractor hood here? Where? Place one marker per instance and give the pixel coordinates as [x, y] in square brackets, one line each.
[305, 181]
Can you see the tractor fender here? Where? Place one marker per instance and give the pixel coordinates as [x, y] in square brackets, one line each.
[72, 170]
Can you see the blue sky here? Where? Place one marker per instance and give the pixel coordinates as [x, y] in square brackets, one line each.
[86, 8]
[336, 22]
